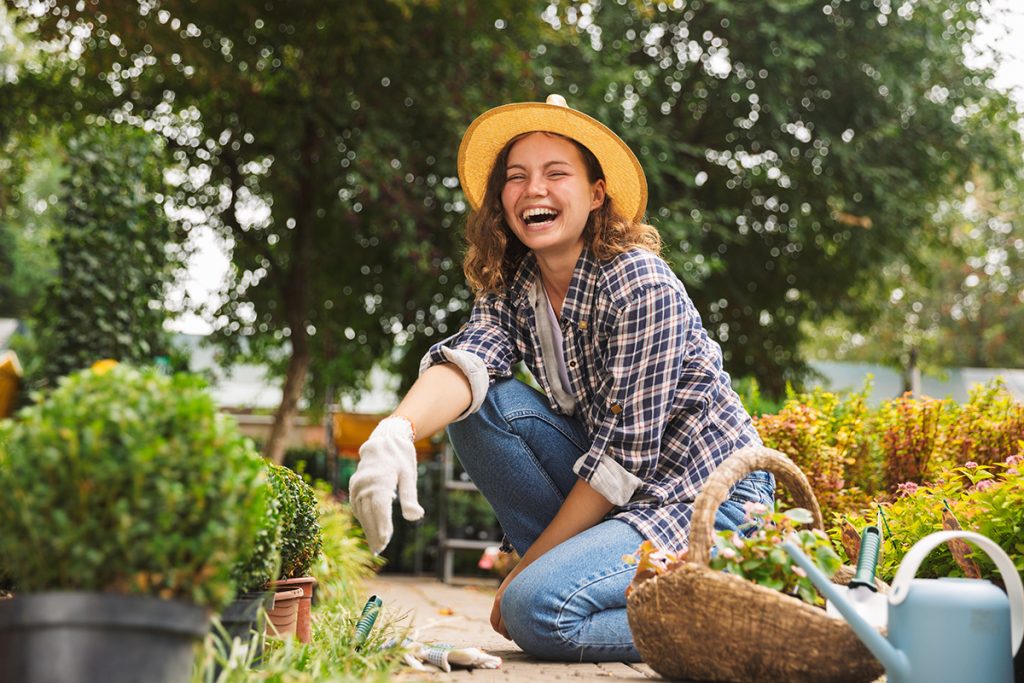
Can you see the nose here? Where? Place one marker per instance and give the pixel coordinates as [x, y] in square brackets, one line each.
[537, 186]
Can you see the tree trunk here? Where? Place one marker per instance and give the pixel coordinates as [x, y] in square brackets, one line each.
[296, 295]
[295, 380]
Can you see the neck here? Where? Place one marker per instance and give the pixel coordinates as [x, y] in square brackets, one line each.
[556, 273]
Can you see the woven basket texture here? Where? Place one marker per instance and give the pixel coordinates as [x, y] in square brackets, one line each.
[700, 624]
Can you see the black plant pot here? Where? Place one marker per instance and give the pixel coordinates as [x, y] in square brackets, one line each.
[78, 637]
[246, 618]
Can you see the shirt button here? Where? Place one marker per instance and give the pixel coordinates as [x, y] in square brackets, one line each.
[572, 364]
[583, 324]
[616, 408]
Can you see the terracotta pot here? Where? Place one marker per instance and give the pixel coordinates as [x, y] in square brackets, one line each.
[281, 621]
[303, 627]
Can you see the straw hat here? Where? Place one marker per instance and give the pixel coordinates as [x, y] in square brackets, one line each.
[492, 130]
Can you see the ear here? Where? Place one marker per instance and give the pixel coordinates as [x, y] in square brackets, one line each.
[598, 194]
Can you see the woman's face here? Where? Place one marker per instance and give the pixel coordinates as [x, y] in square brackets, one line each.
[547, 196]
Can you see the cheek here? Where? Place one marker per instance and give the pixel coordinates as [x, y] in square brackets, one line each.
[508, 200]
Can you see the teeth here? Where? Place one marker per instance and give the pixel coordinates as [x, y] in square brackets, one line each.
[542, 214]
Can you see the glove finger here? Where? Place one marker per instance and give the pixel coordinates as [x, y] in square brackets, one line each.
[411, 509]
[374, 514]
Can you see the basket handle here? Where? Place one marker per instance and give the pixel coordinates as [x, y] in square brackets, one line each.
[730, 472]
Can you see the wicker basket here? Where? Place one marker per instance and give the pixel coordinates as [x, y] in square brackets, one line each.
[702, 624]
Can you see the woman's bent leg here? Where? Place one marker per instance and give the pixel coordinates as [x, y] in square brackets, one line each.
[519, 453]
[570, 604]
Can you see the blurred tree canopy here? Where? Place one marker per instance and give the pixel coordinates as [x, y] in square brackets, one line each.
[957, 303]
[794, 149]
[319, 140]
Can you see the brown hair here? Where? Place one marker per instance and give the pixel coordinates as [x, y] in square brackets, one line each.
[494, 252]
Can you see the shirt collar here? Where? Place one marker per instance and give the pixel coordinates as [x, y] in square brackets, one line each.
[581, 287]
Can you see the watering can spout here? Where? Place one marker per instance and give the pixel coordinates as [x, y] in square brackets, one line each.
[895, 662]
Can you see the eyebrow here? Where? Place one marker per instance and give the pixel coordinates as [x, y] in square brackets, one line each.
[550, 163]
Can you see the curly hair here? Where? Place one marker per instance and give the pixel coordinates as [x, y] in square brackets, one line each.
[494, 252]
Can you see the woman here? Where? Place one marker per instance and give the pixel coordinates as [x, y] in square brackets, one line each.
[636, 411]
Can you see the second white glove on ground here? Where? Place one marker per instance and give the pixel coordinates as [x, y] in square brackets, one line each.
[386, 461]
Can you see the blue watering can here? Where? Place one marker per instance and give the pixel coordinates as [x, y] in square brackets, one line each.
[939, 630]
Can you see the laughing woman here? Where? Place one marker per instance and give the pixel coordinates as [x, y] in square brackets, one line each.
[636, 411]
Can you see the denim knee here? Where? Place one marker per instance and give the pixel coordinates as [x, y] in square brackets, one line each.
[530, 621]
[501, 397]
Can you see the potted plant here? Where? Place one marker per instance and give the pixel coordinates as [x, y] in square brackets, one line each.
[301, 543]
[125, 500]
[253, 571]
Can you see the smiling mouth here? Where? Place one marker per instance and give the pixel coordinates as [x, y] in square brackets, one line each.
[538, 217]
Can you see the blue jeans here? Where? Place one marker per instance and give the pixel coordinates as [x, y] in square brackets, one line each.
[570, 604]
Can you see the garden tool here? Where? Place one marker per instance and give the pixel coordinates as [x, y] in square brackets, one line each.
[948, 630]
[444, 655]
[862, 592]
[366, 620]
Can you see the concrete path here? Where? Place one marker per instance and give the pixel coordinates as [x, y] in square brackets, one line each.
[461, 615]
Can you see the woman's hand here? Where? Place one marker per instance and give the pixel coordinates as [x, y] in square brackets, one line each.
[496, 622]
[386, 461]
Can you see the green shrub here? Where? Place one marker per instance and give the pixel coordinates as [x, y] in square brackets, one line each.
[261, 563]
[750, 395]
[128, 481]
[301, 539]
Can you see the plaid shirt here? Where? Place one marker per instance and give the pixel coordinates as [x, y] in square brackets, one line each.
[648, 382]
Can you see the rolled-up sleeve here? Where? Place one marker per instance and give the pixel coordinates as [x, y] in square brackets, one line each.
[646, 364]
[483, 349]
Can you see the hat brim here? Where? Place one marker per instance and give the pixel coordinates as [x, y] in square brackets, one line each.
[493, 129]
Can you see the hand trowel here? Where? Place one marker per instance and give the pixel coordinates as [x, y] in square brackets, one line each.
[861, 591]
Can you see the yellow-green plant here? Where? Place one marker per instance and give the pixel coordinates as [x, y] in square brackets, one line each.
[984, 430]
[824, 434]
[988, 499]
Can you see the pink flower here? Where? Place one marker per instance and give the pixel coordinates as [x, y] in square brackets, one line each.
[729, 554]
[799, 571]
[1015, 460]
[907, 488]
[984, 485]
[970, 464]
[1012, 470]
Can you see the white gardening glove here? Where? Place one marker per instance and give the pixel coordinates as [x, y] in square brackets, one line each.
[387, 460]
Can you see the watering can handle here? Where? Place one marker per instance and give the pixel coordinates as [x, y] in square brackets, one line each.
[1014, 589]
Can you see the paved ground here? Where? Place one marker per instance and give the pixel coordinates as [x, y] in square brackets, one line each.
[461, 615]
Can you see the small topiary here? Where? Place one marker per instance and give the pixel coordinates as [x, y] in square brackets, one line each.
[301, 539]
[256, 569]
[128, 481]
